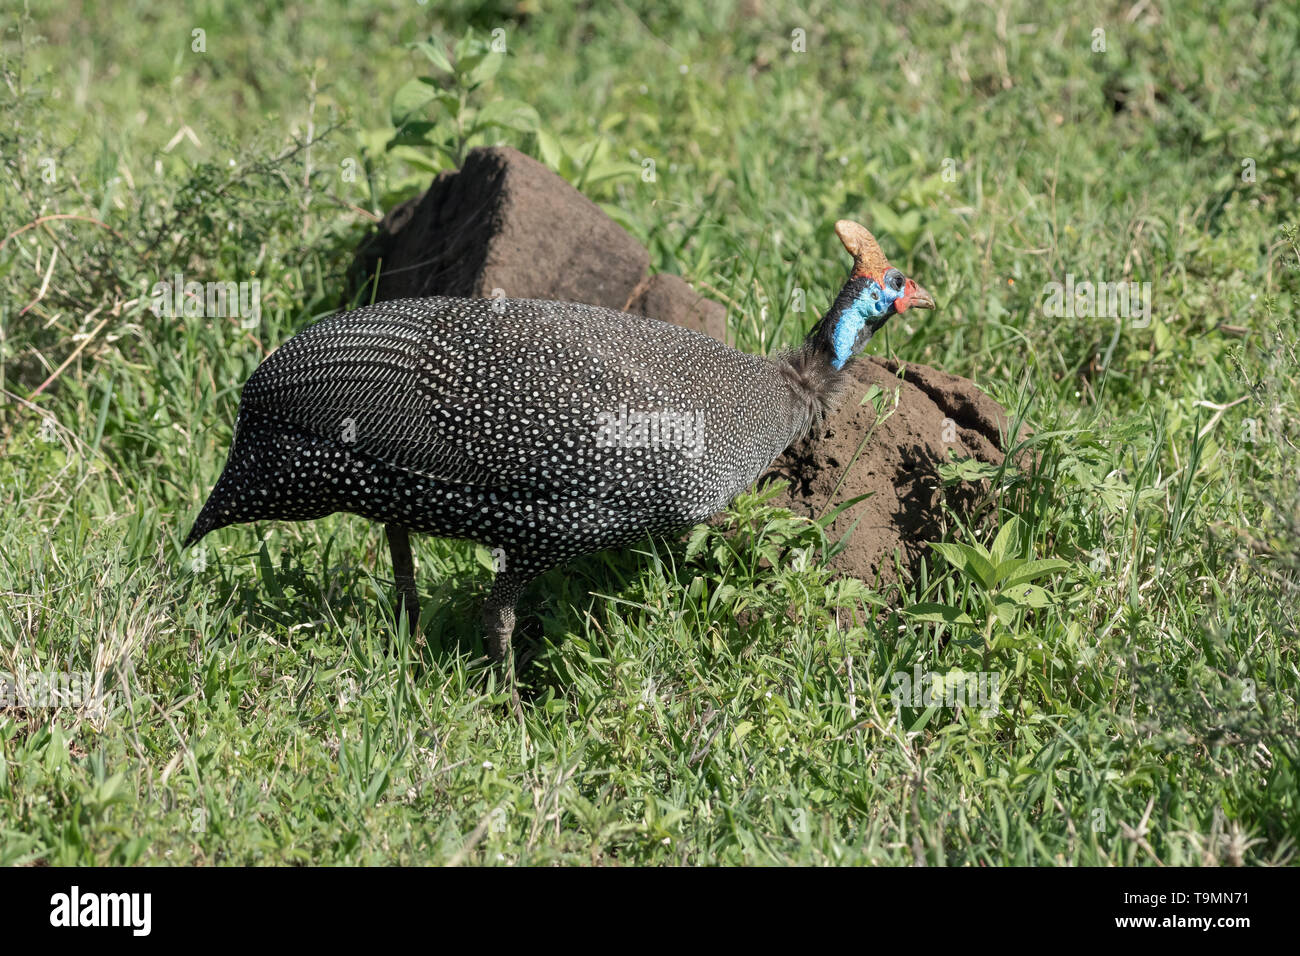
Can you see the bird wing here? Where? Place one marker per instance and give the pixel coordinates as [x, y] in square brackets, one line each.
[457, 391]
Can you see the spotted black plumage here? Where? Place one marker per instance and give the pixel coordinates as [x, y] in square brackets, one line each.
[544, 429]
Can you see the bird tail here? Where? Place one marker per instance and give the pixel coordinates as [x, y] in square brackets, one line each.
[215, 513]
[218, 510]
[251, 486]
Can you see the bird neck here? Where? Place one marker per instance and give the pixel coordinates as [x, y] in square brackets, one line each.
[817, 372]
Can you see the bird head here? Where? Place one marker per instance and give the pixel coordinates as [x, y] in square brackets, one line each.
[874, 291]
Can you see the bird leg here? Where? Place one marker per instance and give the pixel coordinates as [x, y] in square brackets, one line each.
[399, 544]
[499, 612]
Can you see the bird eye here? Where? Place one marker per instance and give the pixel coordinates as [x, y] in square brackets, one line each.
[894, 279]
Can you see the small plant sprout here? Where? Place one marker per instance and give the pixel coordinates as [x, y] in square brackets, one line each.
[1003, 586]
[444, 110]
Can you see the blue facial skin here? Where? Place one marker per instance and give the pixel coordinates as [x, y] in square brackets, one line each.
[869, 307]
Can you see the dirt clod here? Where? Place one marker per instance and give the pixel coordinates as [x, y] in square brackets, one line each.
[938, 416]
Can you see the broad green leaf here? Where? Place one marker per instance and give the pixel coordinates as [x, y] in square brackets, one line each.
[954, 556]
[487, 68]
[1031, 570]
[449, 101]
[412, 134]
[1029, 595]
[939, 614]
[1008, 566]
[601, 172]
[420, 161]
[484, 557]
[1007, 541]
[55, 749]
[551, 151]
[511, 114]
[436, 55]
[969, 559]
[467, 47]
[1006, 608]
[409, 101]
[110, 791]
[585, 157]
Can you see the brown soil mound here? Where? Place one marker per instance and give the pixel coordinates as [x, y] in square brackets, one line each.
[503, 221]
[669, 297]
[938, 417]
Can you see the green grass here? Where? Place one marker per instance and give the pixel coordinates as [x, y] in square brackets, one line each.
[726, 701]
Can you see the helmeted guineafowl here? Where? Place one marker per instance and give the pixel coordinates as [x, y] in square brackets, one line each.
[545, 430]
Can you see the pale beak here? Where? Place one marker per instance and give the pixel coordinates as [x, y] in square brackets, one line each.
[913, 297]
